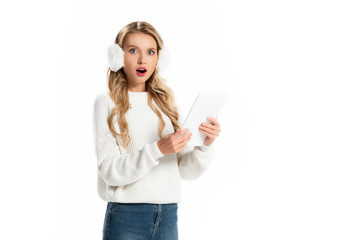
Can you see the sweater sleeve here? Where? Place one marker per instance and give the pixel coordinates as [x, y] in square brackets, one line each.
[115, 166]
[194, 160]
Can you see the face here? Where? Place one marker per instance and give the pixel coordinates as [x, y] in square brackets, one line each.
[140, 59]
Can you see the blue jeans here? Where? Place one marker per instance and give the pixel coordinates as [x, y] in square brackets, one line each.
[140, 221]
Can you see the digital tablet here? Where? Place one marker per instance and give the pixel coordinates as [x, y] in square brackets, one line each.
[206, 104]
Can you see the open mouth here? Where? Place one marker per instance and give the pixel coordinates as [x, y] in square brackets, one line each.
[141, 70]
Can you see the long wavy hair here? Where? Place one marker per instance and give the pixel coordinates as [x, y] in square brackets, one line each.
[155, 86]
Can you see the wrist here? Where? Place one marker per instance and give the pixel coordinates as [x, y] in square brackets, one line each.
[157, 144]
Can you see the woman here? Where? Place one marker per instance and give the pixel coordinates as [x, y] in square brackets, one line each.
[141, 157]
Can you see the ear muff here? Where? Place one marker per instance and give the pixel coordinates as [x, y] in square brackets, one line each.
[115, 58]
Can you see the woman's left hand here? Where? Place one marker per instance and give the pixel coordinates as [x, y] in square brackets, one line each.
[211, 130]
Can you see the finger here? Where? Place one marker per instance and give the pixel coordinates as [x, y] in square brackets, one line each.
[179, 147]
[213, 120]
[208, 125]
[209, 131]
[181, 133]
[182, 146]
[184, 138]
[211, 136]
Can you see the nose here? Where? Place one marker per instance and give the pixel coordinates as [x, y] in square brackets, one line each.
[142, 59]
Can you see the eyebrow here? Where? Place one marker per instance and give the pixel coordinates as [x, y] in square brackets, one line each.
[137, 47]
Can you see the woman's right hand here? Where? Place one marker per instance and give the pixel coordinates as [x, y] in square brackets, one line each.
[173, 143]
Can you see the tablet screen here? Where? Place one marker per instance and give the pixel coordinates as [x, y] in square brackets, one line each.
[206, 104]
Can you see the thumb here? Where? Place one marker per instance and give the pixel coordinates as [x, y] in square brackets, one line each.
[181, 132]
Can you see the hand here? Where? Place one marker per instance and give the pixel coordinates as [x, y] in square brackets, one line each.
[211, 130]
[173, 143]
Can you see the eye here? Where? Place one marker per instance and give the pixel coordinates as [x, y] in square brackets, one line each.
[133, 50]
[151, 52]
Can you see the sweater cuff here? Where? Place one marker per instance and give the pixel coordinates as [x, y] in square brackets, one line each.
[155, 151]
[205, 148]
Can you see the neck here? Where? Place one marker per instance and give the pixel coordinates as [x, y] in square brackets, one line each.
[139, 88]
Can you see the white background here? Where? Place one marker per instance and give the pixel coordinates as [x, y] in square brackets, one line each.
[287, 160]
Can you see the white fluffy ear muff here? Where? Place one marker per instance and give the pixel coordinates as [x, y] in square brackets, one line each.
[115, 57]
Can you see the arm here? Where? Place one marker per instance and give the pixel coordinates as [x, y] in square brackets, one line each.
[193, 161]
[115, 166]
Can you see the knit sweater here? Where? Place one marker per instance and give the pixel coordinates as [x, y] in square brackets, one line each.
[142, 174]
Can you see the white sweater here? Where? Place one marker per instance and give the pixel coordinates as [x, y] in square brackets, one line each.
[144, 174]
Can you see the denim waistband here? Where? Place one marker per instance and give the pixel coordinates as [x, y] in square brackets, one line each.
[152, 204]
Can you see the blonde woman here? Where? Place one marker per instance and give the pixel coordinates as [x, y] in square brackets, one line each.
[141, 157]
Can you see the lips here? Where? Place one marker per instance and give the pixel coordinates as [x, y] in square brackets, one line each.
[141, 70]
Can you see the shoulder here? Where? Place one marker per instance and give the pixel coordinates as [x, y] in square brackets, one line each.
[101, 98]
[100, 101]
